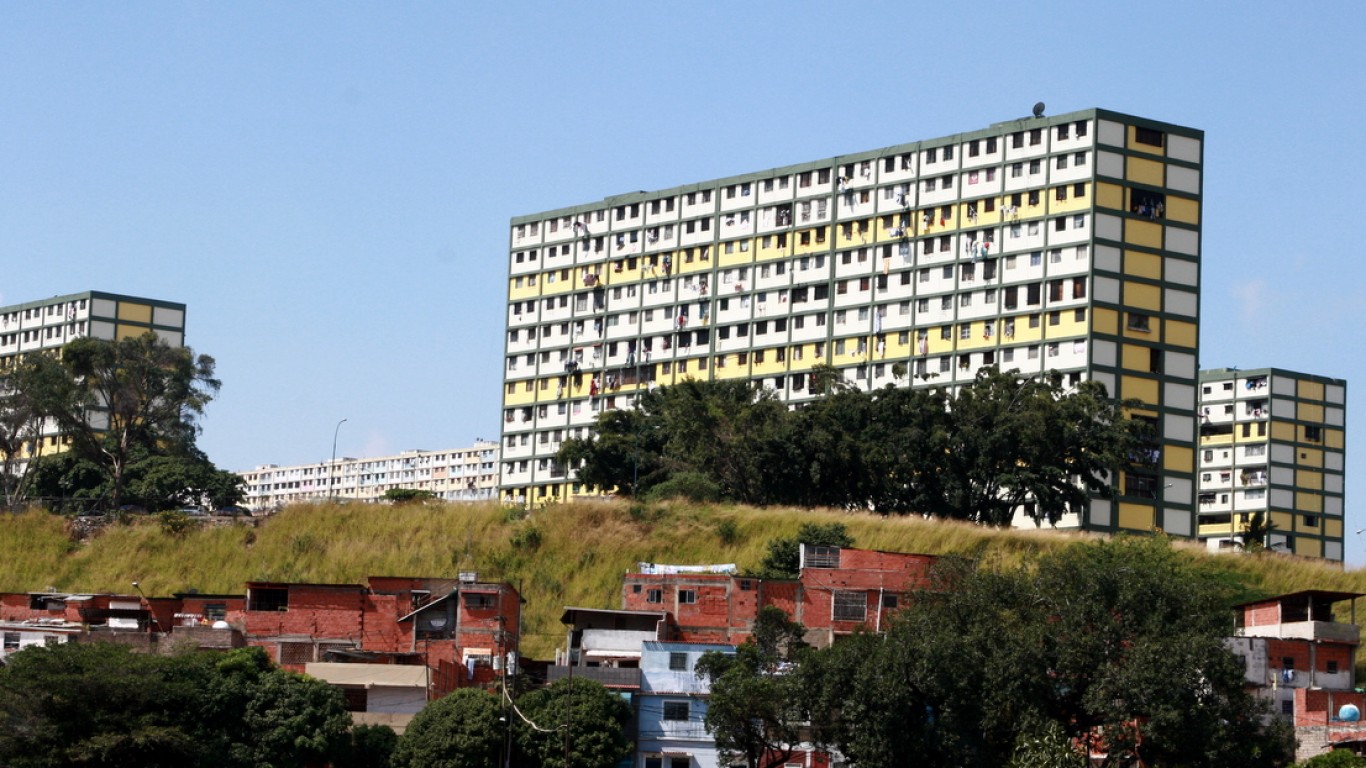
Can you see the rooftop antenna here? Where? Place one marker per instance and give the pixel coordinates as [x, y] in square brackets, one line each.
[1038, 109]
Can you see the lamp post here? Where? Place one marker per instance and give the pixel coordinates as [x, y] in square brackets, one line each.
[332, 468]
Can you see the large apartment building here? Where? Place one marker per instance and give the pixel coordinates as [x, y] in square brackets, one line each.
[1067, 243]
[50, 323]
[458, 474]
[1272, 441]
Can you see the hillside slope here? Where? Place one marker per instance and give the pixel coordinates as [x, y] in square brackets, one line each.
[566, 555]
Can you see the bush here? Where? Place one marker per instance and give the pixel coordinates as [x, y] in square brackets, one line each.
[693, 486]
[527, 537]
[1338, 758]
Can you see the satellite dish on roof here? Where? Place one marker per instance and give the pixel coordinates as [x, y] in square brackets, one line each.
[1038, 109]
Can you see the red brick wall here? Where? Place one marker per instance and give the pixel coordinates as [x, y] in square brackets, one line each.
[1262, 614]
[332, 611]
[1312, 705]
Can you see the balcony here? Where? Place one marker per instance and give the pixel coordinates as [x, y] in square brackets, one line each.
[611, 677]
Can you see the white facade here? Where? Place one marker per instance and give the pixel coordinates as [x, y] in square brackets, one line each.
[459, 474]
[1068, 243]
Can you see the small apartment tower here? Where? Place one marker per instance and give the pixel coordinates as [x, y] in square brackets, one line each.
[1272, 442]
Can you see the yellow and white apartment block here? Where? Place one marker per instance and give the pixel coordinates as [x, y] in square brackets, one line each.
[50, 323]
[1067, 243]
[1272, 441]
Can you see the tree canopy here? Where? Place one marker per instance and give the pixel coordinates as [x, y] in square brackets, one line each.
[999, 444]
[578, 724]
[461, 730]
[1116, 647]
[101, 704]
[753, 711]
[126, 412]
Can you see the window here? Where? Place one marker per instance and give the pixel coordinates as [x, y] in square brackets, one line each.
[267, 599]
[687, 596]
[678, 662]
[849, 605]
[1152, 138]
[1139, 321]
[1313, 434]
[675, 710]
[654, 596]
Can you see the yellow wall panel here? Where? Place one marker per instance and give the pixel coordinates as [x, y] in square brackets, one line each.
[1143, 264]
[1143, 389]
[1309, 457]
[1183, 209]
[129, 331]
[1307, 478]
[1283, 431]
[1283, 521]
[1136, 358]
[1143, 296]
[1110, 196]
[134, 313]
[1071, 205]
[1308, 411]
[1182, 334]
[1332, 528]
[1144, 233]
[1309, 390]
[1105, 320]
[1136, 517]
[1308, 502]
[1305, 547]
[1332, 438]
[1178, 459]
[736, 256]
[1146, 171]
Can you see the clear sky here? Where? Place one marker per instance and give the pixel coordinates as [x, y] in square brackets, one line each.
[327, 186]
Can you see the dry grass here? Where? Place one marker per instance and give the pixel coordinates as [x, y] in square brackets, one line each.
[565, 555]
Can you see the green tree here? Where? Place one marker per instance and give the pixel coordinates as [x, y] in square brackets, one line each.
[578, 724]
[1122, 638]
[715, 428]
[131, 395]
[1337, 758]
[93, 704]
[1013, 440]
[461, 730]
[408, 496]
[752, 710]
[372, 746]
[783, 558]
[32, 389]
[101, 704]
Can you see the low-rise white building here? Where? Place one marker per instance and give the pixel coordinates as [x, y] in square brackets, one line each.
[458, 474]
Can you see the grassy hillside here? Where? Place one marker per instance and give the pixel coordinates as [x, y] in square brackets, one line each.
[567, 555]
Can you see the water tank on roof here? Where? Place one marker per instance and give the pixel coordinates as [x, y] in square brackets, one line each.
[220, 624]
[1349, 712]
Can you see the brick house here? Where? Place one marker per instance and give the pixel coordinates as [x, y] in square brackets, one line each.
[838, 591]
[1302, 660]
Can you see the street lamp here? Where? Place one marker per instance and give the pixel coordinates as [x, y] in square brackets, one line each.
[332, 468]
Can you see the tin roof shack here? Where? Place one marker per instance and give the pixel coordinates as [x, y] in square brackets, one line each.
[672, 706]
[838, 591]
[1300, 658]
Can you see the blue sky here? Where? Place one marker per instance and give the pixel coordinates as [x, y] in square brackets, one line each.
[327, 186]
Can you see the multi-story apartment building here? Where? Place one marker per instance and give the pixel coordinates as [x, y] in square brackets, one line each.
[460, 474]
[1272, 441]
[1069, 243]
[50, 323]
